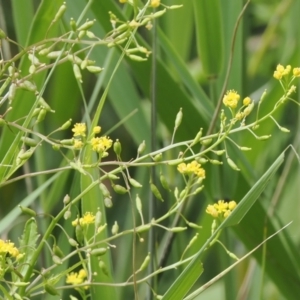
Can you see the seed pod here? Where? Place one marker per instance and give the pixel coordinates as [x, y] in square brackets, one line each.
[79, 234]
[74, 59]
[29, 141]
[198, 190]
[178, 119]
[201, 160]
[34, 60]
[27, 85]
[32, 69]
[2, 122]
[245, 148]
[55, 147]
[98, 218]
[164, 182]
[263, 137]
[103, 267]
[141, 148]
[67, 142]
[90, 34]
[72, 242]
[55, 54]
[157, 157]
[20, 284]
[105, 192]
[99, 251]
[81, 34]
[73, 24]
[113, 176]
[60, 12]
[136, 57]
[119, 189]
[77, 73]
[57, 251]
[26, 155]
[83, 64]
[86, 25]
[50, 289]
[2, 34]
[158, 13]
[193, 225]
[177, 229]
[94, 69]
[156, 192]
[262, 96]
[12, 92]
[115, 228]
[206, 142]
[45, 51]
[117, 148]
[197, 137]
[215, 162]
[56, 260]
[66, 125]
[134, 183]
[145, 262]
[219, 152]
[175, 6]
[41, 116]
[43, 103]
[66, 199]
[138, 203]
[27, 211]
[67, 215]
[283, 129]
[107, 202]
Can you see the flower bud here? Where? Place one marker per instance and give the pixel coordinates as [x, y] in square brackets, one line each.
[73, 24]
[66, 199]
[67, 215]
[12, 92]
[99, 251]
[178, 118]
[141, 148]
[56, 260]
[157, 157]
[27, 85]
[138, 203]
[117, 147]
[43, 103]
[41, 116]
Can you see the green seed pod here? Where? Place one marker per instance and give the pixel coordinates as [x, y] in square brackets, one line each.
[60, 12]
[117, 148]
[177, 229]
[20, 284]
[84, 64]
[206, 142]
[12, 92]
[134, 183]
[67, 142]
[182, 193]
[156, 192]
[90, 34]
[262, 97]
[36, 112]
[120, 41]
[2, 122]
[94, 69]
[197, 137]
[55, 54]
[138, 203]
[178, 118]
[107, 202]
[41, 116]
[158, 13]
[98, 218]
[27, 211]
[50, 289]
[73, 24]
[198, 190]
[66, 125]
[263, 137]
[248, 109]
[81, 34]
[74, 59]
[32, 69]
[283, 129]
[119, 189]
[27, 85]
[66, 199]
[17, 296]
[105, 192]
[145, 262]
[115, 228]
[87, 25]
[103, 267]
[26, 155]
[67, 215]
[72, 242]
[57, 251]
[219, 152]
[45, 51]
[158, 157]
[193, 225]
[201, 160]
[29, 141]
[55, 147]
[136, 57]
[99, 251]
[56, 260]
[164, 182]
[43, 103]
[175, 6]
[77, 73]
[113, 176]
[215, 162]
[34, 60]
[141, 148]
[2, 34]
[245, 148]
[79, 234]
[143, 228]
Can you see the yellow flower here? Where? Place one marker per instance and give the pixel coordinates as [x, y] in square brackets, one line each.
[191, 168]
[221, 209]
[6, 247]
[155, 3]
[247, 101]
[76, 278]
[101, 144]
[78, 144]
[96, 129]
[281, 71]
[296, 72]
[231, 99]
[87, 219]
[79, 129]
[212, 211]
[221, 206]
[232, 205]
[239, 116]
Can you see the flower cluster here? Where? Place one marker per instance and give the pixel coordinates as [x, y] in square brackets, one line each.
[221, 209]
[87, 219]
[191, 168]
[75, 278]
[101, 144]
[282, 71]
[6, 247]
[231, 99]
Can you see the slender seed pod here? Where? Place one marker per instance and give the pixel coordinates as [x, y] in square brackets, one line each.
[177, 229]
[178, 119]
[77, 73]
[79, 234]
[156, 192]
[57, 251]
[27, 85]
[60, 12]
[67, 142]
[2, 34]
[134, 183]
[245, 148]
[141, 148]
[103, 267]
[72, 242]
[55, 54]
[138, 203]
[43, 103]
[164, 182]
[12, 92]
[264, 94]
[117, 147]
[94, 69]
[201, 160]
[105, 192]
[99, 251]
[119, 189]
[87, 25]
[115, 228]
[74, 59]
[50, 289]
[73, 24]
[263, 137]
[41, 116]
[215, 162]
[32, 69]
[34, 60]
[27, 211]
[232, 164]
[145, 262]
[56, 260]
[66, 125]
[136, 57]
[158, 13]
[158, 157]
[206, 142]
[113, 176]
[67, 215]
[26, 155]
[90, 34]
[197, 137]
[29, 141]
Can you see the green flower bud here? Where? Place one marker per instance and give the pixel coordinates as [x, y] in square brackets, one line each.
[57, 251]
[164, 182]
[67, 142]
[72, 242]
[60, 12]
[136, 57]
[32, 69]
[219, 152]
[201, 160]
[41, 116]
[67, 215]
[117, 148]
[141, 148]
[66, 199]
[45, 51]
[90, 34]
[26, 155]
[79, 234]
[138, 203]
[158, 13]
[215, 162]
[112, 176]
[27, 85]
[55, 54]
[197, 137]
[66, 125]
[2, 34]
[81, 34]
[34, 60]
[157, 157]
[55, 147]
[12, 92]
[245, 148]
[83, 64]
[43, 103]
[156, 192]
